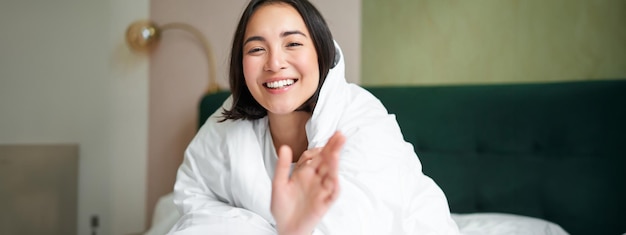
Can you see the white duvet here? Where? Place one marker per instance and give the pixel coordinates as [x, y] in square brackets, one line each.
[224, 184]
[166, 215]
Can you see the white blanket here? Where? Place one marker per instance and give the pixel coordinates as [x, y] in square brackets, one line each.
[166, 215]
[224, 185]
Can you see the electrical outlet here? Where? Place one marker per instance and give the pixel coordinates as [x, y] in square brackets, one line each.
[95, 223]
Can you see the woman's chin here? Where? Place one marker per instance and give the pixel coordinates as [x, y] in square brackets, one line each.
[282, 109]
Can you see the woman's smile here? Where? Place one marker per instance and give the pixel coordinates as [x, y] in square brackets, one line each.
[278, 84]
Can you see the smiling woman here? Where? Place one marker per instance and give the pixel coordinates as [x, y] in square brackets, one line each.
[278, 51]
[298, 150]
[308, 26]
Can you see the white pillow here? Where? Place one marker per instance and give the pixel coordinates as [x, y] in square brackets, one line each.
[500, 223]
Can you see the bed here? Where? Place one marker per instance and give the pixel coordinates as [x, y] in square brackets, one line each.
[545, 158]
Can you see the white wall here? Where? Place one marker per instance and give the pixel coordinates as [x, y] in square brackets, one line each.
[66, 77]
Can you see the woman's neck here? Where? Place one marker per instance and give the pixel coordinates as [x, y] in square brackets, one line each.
[289, 129]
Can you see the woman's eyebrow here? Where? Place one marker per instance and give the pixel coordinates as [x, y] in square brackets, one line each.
[254, 38]
[284, 34]
[287, 33]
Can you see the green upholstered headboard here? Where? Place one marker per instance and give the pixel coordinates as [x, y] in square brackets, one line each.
[555, 151]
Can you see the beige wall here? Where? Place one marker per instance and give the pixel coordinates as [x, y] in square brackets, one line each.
[179, 73]
[492, 41]
[344, 19]
[66, 77]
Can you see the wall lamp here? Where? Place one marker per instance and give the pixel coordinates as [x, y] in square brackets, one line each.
[145, 35]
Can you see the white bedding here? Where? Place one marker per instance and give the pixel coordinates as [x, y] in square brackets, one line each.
[499, 223]
[166, 215]
[225, 181]
[414, 204]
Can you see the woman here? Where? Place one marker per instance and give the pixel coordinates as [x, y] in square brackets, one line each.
[342, 166]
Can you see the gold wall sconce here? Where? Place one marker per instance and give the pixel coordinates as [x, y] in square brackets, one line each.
[145, 35]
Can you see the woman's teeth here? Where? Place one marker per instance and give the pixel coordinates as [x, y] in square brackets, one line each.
[280, 84]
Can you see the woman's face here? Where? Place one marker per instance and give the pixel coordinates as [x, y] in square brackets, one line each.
[279, 59]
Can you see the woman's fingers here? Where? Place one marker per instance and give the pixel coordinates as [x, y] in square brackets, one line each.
[312, 187]
[330, 189]
[334, 193]
[330, 154]
[283, 166]
[323, 161]
[312, 152]
[308, 156]
[334, 145]
[329, 167]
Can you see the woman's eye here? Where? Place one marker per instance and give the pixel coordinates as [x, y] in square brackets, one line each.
[254, 50]
[294, 44]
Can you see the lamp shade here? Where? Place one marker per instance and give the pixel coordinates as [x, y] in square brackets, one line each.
[143, 35]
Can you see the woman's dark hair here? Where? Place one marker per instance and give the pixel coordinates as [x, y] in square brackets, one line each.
[244, 105]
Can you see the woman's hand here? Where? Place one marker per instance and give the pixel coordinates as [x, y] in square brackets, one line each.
[307, 157]
[299, 202]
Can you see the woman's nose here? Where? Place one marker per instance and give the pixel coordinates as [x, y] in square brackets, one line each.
[275, 61]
